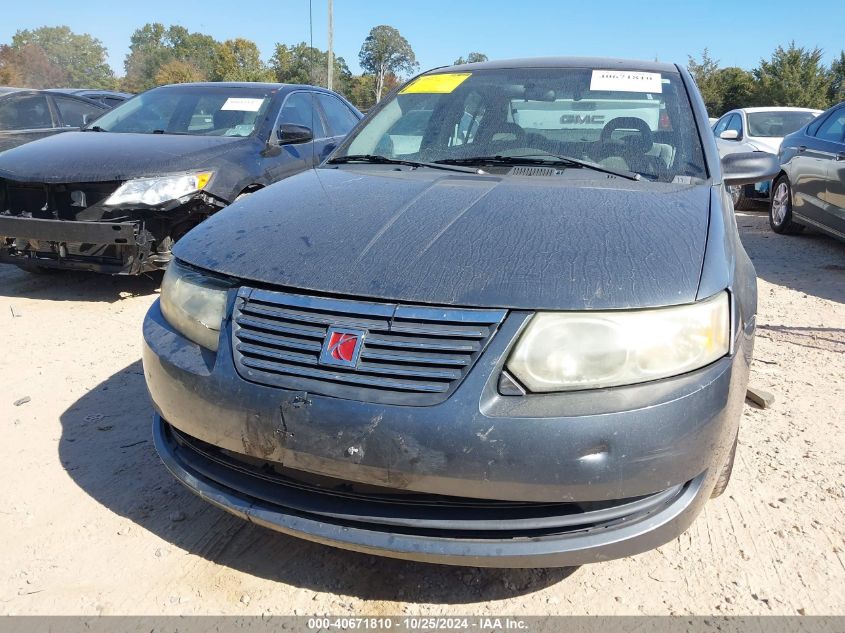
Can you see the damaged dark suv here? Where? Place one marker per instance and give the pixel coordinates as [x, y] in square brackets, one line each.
[507, 323]
[117, 195]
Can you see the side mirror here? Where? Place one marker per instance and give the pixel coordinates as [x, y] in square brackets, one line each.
[729, 135]
[746, 168]
[290, 134]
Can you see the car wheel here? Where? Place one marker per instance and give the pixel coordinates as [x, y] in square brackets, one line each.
[780, 209]
[725, 473]
[740, 200]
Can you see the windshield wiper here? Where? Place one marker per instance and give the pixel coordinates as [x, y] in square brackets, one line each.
[93, 128]
[384, 160]
[552, 159]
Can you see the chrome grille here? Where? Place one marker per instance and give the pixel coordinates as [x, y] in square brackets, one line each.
[410, 354]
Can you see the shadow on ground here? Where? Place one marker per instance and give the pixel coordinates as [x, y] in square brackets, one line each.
[74, 286]
[106, 447]
[811, 262]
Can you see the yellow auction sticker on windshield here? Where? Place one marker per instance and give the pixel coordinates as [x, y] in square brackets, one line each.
[443, 83]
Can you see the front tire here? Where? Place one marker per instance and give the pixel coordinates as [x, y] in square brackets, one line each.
[740, 200]
[780, 209]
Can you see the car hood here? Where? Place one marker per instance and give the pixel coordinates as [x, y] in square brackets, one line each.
[106, 156]
[444, 238]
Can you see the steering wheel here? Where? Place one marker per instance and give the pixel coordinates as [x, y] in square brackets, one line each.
[504, 127]
[641, 143]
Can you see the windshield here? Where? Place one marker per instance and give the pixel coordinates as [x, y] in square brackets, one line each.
[194, 110]
[634, 121]
[776, 124]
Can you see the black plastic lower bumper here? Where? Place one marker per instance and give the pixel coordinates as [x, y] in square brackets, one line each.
[106, 247]
[430, 528]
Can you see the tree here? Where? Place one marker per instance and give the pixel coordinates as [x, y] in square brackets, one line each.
[240, 60]
[794, 76]
[385, 51]
[737, 89]
[10, 71]
[302, 64]
[705, 73]
[837, 79]
[472, 58]
[29, 67]
[178, 72]
[154, 46]
[80, 57]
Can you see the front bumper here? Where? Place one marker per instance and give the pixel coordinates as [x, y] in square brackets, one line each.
[608, 446]
[107, 247]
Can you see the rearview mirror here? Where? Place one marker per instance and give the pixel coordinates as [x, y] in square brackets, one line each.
[746, 168]
[729, 135]
[290, 134]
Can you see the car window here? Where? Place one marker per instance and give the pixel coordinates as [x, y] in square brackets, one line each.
[580, 113]
[214, 110]
[735, 123]
[27, 112]
[112, 101]
[721, 125]
[74, 113]
[777, 123]
[340, 118]
[299, 110]
[833, 129]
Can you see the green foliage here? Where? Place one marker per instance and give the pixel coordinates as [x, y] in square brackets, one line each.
[302, 64]
[705, 73]
[66, 59]
[472, 58]
[385, 52]
[794, 76]
[153, 47]
[178, 72]
[240, 60]
[837, 79]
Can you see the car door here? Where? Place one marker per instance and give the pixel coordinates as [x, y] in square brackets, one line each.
[832, 134]
[808, 168]
[340, 119]
[25, 117]
[298, 108]
[74, 113]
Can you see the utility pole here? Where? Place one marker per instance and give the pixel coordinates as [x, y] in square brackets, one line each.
[330, 80]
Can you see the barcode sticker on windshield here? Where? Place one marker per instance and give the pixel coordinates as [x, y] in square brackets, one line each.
[626, 81]
[242, 104]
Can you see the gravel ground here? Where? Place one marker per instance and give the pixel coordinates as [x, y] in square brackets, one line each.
[90, 521]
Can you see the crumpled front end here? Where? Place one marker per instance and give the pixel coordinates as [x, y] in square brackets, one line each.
[71, 226]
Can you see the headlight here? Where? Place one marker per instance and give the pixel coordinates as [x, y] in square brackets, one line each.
[194, 304]
[152, 191]
[565, 351]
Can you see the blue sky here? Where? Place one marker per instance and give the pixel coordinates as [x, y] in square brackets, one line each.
[737, 33]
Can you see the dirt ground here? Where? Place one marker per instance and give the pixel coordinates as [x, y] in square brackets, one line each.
[90, 521]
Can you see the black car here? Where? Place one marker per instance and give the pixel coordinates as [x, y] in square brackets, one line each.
[810, 189]
[27, 115]
[507, 323]
[116, 196]
[109, 98]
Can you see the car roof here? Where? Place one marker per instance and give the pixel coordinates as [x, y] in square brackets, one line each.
[776, 109]
[82, 91]
[605, 63]
[4, 90]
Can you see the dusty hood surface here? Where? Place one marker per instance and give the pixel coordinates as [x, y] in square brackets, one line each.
[106, 156]
[444, 238]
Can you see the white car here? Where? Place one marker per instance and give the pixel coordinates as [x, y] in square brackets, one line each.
[757, 129]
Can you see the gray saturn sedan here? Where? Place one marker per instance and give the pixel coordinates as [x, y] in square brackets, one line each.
[508, 322]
